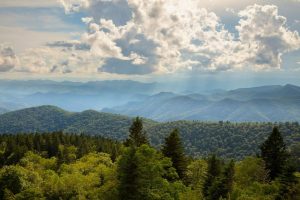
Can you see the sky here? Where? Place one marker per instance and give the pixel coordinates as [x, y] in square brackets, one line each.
[226, 43]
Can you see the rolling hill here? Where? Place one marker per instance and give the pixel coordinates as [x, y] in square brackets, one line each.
[259, 104]
[226, 139]
[51, 118]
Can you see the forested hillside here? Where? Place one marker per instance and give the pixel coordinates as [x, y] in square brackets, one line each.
[226, 139]
[66, 166]
[51, 118]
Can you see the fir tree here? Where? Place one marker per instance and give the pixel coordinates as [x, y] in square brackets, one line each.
[128, 175]
[273, 152]
[213, 172]
[222, 186]
[137, 136]
[288, 182]
[173, 149]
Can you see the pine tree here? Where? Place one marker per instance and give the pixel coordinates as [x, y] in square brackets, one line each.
[273, 152]
[137, 136]
[173, 149]
[128, 175]
[222, 186]
[288, 182]
[213, 172]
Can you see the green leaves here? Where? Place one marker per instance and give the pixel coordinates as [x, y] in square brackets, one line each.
[173, 149]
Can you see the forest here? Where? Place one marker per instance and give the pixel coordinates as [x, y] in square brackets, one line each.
[200, 138]
[59, 165]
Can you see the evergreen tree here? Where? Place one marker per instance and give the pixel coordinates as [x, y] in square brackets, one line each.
[128, 175]
[222, 186]
[173, 149]
[288, 182]
[273, 152]
[213, 172]
[137, 136]
[141, 173]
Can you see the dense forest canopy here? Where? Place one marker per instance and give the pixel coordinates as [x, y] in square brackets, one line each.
[56, 165]
[226, 139]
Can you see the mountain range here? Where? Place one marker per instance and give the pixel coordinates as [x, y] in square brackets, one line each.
[73, 96]
[235, 140]
[258, 104]
[155, 101]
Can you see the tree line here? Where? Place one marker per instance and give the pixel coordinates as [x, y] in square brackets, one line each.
[66, 166]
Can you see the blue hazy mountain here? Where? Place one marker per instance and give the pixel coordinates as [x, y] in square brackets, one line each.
[266, 103]
[132, 98]
[74, 96]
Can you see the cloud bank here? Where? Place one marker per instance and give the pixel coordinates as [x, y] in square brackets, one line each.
[162, 37]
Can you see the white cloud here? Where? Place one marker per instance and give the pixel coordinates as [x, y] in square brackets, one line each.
[8, 59]
[138, 59]
[58, 59]
[87, 20]
[187, 36]
[101, 39]
[264, 34]
[183, 36]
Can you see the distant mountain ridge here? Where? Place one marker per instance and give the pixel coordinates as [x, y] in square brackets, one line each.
[258, 104]
[74, 96]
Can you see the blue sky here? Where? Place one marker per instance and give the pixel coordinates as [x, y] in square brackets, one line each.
[253, 42]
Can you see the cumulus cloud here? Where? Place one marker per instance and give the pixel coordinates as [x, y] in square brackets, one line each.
[187, 36]
[164, 37]
[8, 59]
[59, 59]
[264, 34]
[101, 39]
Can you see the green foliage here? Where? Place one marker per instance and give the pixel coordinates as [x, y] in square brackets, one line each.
[252, 182]
[213, 172]
[222, 187]
[273, 152]
[250, 170]
[91, 177]
[141, 173]
[196, 175]
[61, 166]
[52, 119]
[66, 147]
[295, 154]
[128, 175]
[288, 183]
[10, 181]
[200, 139]
[225, 139]
[137, 136]
[173, 149]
